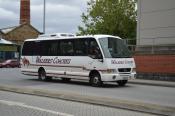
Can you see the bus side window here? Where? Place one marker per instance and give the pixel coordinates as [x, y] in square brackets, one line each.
[94, 50]
[28, 48]
[66, 47]
[43, 48]
[80, 47]
[70, 50]
[53, 49]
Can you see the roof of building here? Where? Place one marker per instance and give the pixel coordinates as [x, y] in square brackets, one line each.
[7, 29]
[3, 41]
[10, 29]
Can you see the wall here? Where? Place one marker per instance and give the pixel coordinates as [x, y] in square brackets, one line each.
[155, 63]
[156, 67]
[156, 22]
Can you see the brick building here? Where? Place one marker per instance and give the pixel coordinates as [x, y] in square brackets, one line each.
[17, 34]
[22, 31]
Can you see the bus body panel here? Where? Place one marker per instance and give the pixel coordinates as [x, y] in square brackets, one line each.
[63, 65]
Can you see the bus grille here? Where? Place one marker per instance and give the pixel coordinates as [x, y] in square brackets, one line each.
[124, 69]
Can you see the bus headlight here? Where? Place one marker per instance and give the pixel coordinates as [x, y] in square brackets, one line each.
[133, 69]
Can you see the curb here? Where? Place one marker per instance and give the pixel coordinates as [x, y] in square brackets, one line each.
[104, 101]
[152, 83]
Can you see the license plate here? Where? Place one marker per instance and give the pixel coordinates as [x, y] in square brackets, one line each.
[125, 78]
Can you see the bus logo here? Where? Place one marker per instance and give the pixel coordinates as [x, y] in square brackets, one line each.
[55, 60]
[25, 61]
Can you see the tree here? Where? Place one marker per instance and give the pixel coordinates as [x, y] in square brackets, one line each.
[114, 17]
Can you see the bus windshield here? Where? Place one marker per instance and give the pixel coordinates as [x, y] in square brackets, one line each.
[114, 48]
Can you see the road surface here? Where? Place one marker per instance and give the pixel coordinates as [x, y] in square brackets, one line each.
[141, 93]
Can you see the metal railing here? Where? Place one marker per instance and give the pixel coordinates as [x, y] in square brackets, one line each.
[152, 46]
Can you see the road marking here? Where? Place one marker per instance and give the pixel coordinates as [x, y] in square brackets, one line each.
[12, 103]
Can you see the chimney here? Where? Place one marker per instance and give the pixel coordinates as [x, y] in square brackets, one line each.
[25, 11]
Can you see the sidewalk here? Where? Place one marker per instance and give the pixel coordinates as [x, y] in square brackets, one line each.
[152, 82]
[100, 100]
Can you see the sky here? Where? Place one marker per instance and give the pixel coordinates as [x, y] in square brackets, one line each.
[62, 16]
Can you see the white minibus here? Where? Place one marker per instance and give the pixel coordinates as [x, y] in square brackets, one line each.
[97, 58]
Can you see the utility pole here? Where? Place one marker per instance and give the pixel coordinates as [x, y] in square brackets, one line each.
[44, 17]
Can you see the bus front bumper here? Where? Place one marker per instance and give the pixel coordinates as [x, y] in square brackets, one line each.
[116, 77]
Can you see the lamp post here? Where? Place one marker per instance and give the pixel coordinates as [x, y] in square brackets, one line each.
[44, 17]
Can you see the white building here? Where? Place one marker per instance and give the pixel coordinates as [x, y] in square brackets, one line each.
[156, 26]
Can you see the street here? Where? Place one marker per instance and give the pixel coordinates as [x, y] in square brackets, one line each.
[141, 93]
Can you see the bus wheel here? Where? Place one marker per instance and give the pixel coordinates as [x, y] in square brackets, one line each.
[42, 76]
[95, 80]
[122, 82]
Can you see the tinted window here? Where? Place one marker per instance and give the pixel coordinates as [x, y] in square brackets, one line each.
[93, 49]
[81, 47]
[47, 48]
[67, 47]
[28, 48]
[43, 48]
[53, 50]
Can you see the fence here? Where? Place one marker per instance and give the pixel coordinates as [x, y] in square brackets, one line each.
[152, 46]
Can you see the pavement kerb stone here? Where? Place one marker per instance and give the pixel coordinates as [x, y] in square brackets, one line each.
[104, 101]
[152, 83]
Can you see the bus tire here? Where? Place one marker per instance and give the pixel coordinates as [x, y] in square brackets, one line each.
[122, 82]
[95, 80]
[42, 76]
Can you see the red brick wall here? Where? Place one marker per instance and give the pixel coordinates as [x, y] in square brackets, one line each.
[155, 63]
[24, 11]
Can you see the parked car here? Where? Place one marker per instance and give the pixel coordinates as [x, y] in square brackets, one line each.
[10, 63]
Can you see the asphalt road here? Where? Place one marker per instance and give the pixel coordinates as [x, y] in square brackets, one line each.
[141, 93]
[13, 104]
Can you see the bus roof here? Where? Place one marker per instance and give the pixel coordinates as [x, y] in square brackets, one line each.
[57, 35]
[74, 37]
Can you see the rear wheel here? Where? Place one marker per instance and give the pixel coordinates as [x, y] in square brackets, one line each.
[122, 82]
[42, 76]
[95, 80]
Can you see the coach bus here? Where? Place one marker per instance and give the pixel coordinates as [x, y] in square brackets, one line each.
[97, 58]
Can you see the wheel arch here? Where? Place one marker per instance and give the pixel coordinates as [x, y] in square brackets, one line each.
[40, 69]
[93, 72]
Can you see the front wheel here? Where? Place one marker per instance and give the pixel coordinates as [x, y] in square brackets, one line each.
[95, 80]
[122, 82]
